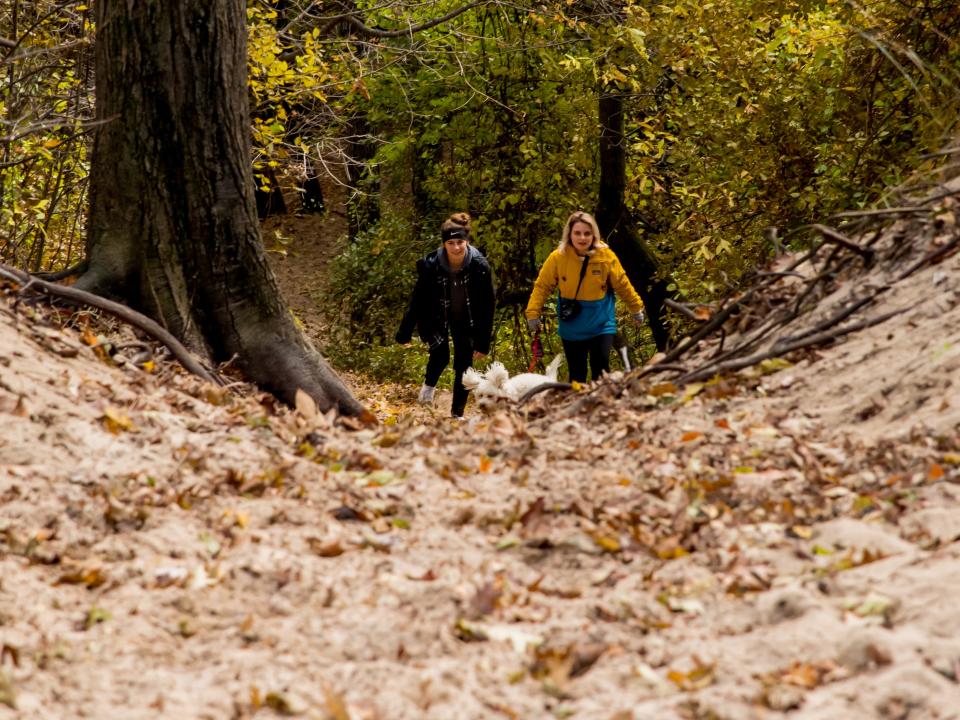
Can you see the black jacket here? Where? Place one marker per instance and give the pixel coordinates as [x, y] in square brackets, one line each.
[429, 309]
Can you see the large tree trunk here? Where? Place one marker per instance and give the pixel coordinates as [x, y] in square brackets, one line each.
[616, 225]
[173, 226]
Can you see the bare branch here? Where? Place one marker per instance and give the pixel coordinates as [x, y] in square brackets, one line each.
[838, 238]
[376, 32]
[56, 125]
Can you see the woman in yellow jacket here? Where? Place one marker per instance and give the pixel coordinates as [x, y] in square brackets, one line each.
[587, 273]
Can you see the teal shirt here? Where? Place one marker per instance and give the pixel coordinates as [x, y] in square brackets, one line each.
[596, 318]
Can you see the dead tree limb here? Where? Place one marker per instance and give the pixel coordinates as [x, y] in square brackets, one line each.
[834, 236]
[778, 350]
[837, 318]
[722, 315]
[542, 388]
[930, 257]
[909, 210]
[122, 312]
[682, 308]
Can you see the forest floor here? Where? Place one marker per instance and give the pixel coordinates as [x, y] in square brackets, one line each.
[779, 542]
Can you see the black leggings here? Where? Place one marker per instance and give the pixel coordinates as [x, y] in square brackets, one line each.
[462, 359]
[596, 348]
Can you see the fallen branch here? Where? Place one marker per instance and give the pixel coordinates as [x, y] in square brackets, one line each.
[682, 308]
[119, 311]
[721, 316]
[930, 257]
[908, 210]
[542, 388]
[659, 368]
[833, 320]
[834, 236]
[779, 349]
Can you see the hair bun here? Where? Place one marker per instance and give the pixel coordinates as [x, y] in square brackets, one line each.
[457, 225]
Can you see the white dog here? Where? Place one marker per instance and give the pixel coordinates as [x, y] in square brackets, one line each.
[497, 383]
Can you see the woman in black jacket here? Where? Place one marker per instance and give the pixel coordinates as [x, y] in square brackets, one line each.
[453, 298]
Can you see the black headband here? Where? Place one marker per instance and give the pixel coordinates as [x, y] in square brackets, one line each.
[454, 232]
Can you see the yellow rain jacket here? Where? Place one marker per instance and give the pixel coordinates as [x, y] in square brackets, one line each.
[562, 269]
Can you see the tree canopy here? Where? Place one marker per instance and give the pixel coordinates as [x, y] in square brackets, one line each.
[742, 120]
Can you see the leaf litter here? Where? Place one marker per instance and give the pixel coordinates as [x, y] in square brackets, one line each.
[776, 539]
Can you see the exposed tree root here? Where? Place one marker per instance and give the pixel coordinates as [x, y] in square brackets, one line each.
[122, 312]
[75, 270]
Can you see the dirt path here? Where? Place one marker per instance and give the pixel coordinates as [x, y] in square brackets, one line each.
[300, 247]
[782, 543]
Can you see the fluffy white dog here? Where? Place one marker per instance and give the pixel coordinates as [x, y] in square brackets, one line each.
[497, 383]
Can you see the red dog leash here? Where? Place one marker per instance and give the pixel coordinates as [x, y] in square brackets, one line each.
[536, 351]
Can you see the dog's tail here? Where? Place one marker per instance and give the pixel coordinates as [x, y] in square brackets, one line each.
[554, 367]
[471, 379]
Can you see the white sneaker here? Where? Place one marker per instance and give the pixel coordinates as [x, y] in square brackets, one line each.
[426, 395]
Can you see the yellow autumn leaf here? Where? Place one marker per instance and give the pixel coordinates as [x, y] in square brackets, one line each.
[772, 365]
[664, 388]
[608, 543]
[116, 421]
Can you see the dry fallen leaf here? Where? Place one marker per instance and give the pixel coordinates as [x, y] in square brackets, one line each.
[326, 548]
[90, 575]
[486, 598]
[702, 675]
[336, 705]
[305, 405]
[116, 421]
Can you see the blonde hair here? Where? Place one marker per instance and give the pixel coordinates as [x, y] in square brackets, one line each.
[582, 217]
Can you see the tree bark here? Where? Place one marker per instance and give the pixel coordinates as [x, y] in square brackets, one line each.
[616, 224]
[173, 227]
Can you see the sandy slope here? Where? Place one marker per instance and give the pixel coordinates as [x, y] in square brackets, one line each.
[781, 543]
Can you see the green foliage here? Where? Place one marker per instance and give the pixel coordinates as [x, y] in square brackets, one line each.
[738, 115]
[45, 100]
[772, 114]
[373, 279]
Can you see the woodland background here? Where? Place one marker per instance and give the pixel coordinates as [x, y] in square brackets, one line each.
[710, 132]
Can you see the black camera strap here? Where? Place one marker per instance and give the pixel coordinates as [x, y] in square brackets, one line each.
[583, 271]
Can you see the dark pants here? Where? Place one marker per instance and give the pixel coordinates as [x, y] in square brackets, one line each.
[462, 359]
[597, 349]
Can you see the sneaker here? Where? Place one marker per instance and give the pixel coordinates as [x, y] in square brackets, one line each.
[426, 395]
